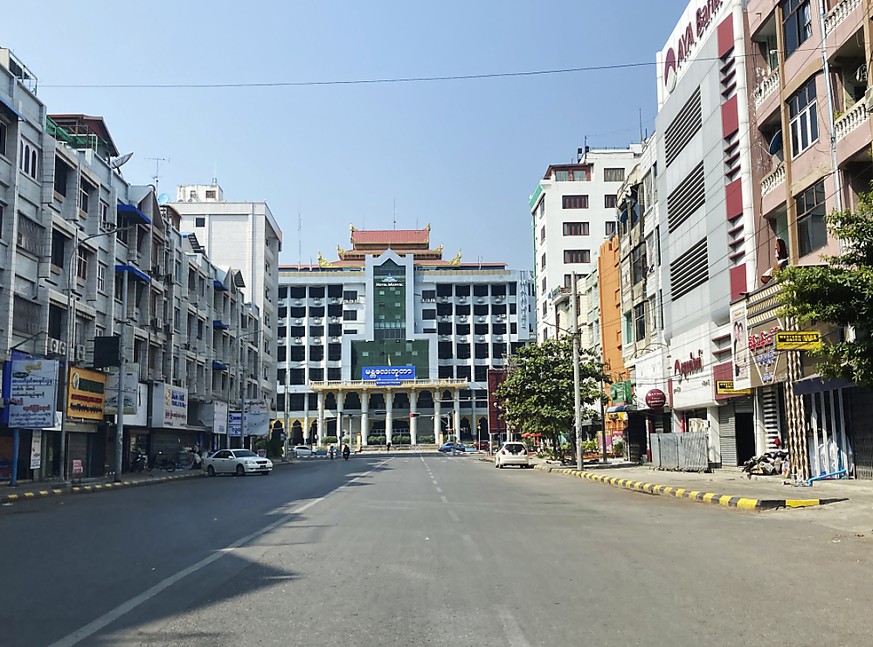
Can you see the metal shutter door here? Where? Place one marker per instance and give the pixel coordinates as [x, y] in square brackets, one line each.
[727, 437]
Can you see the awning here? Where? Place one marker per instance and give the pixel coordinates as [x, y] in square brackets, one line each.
[8, 105]
[132, 212]
[818, 384]
[619, 407]
[775, 143]
[135, 272]
[218, 285]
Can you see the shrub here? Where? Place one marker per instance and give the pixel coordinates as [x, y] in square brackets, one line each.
[617, 447]
[328, 440]
[376, 440]
[426, 440]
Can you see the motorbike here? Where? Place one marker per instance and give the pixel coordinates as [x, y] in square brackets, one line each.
[346, 453]
[137, 461]
[161, 461]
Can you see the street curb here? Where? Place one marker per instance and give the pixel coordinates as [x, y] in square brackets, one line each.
[90, 489]
[725, 500]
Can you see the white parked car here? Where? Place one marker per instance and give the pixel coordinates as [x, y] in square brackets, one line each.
[237, 461]
[302, 451]
[512, 454]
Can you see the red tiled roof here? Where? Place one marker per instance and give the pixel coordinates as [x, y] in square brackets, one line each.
[390, 236]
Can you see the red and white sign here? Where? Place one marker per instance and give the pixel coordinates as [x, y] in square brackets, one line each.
[692, 30]
[656, 399]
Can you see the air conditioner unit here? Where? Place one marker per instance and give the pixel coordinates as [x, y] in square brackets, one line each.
[298, 302]
[499, 298]
[316, 320]
[186, 346]
[317, 301]
[501, 317]
[298, 340]
[462, 318]
[336, 340]
[334, 320]
[481, 319]
[298, 321]
[481, 339]
[317, 341]
[156, 323]
[498, 337]
[79, 353]
[167, 329]
[462, 299]
[480, 300]
[445, 338]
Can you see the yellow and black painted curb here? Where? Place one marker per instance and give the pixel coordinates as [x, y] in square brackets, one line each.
[91, 488]
[737, 502]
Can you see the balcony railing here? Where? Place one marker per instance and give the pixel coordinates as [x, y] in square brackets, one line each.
[854, 117]
[773, 180]
[839, 13]
[766, 87]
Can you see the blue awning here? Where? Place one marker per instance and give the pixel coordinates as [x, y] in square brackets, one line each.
[135, 272]
[11, 108]
[619, 407]
[218, 324]
[132, 212]
[819, 384]
[220, 366]
[218, 285]
[623, 217]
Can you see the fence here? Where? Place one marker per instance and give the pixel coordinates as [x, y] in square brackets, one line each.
[680, 452]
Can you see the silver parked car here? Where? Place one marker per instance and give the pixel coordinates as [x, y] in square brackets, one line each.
[301, 451]
[237, 461]
[512, 454]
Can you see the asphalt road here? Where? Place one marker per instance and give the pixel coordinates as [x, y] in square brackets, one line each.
[420, 550]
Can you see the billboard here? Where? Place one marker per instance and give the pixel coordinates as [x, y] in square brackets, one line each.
[131, 390]
[32, 392]
[169, 406]
[86, 395]
[740, 355]
[388, 375]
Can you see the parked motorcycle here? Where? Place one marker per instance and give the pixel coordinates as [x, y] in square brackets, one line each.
[161, 461]
[137, 461]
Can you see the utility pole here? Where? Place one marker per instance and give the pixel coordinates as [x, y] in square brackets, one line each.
[577, 398]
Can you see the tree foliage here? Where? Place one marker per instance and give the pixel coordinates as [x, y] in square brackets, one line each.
[839, 293]
[537, 394]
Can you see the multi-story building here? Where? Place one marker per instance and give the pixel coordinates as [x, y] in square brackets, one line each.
[244, 236]
[88, 256]
[391, 305]
[572, 213]
[707, 234]
[811, 149]
[643, 348]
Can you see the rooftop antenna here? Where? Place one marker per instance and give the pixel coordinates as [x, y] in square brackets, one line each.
[157, 161]
[642, 138]
[299, 238]
[395, 213]
[215, 173]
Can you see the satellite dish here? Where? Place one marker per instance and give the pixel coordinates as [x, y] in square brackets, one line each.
[118, 162]
[163, 199]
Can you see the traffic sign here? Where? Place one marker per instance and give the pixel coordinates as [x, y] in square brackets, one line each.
[798, 340]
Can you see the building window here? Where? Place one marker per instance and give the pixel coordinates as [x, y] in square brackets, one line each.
[199, 221]
[350, 296]
[640, 321]
[101, 279]
[576, 229]
[82, 264]
[543, 235]
[350, 315]
[609, 230]
[811, 227]
[574, 202]
[568, 280]
[84, 198]
[804, 118]
[29, 235]
[210, 194]
[543, 292]
[543, 262]
[638, 263]
[543, 207]
[577, 256]
[796, 23]
[3, 132]
[613, 175]
[609, 201]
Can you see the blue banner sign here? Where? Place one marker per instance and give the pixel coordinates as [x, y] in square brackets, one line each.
[388, 375]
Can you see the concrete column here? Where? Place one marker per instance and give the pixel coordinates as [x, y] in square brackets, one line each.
[413, 420]
[365, 418]
[320, 416]
[389, 415]
[340, 397]
[437, 421]
[305, 418]
[457, 412]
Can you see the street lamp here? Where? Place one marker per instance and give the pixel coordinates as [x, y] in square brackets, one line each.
[65, 378]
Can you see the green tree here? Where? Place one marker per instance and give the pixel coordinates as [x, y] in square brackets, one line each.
[840, 292]
[537, 394]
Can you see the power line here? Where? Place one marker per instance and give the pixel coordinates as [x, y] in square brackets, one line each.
[385, 80]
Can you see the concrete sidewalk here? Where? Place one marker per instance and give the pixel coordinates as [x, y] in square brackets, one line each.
[725, 487]
[29, 490]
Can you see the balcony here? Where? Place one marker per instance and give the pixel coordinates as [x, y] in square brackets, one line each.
[766, 88]
[839, 14]
[773, 180]
[853, 117]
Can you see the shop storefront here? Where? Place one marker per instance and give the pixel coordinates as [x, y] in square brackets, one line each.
[690, 388]
[170, 435]
[90, 443]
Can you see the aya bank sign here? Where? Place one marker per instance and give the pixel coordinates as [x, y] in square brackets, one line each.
[694, 26]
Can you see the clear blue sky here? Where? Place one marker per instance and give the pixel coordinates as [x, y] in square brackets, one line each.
[461, 155]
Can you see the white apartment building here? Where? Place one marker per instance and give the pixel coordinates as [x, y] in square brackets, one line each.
[243, 236]
[572, 213]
